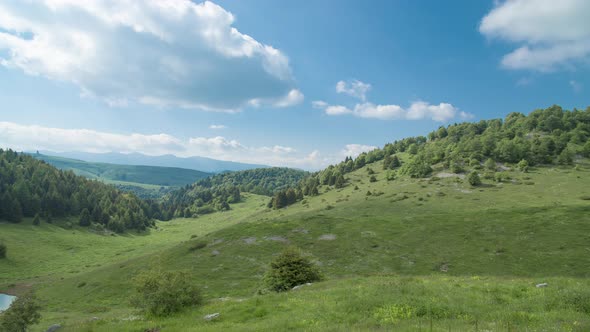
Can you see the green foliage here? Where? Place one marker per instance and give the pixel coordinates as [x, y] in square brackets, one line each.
[565, 157]
[372, 179]
[490, 164]
[161, 293]
[416, 168]
[473, 179]
[84, 218]
[290, 269]
[523, 166]
[391, 175]
[21, 314]
[30, 187]
[370, 171]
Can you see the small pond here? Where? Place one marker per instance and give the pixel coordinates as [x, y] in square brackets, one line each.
[5, 301]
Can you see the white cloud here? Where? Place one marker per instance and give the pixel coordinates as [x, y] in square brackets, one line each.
[168, 53]
[33, 137]
[215, 126]
[353, 150]
[337, 110]
[320, 104]
[419, 110]
[551, 34]
[354, 88]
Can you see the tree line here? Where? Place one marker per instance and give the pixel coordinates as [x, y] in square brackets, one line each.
[543, 137]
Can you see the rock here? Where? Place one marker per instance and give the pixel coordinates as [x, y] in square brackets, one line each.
[327, 237]
[541, 285]
[299, 286]
[211, 316]
[54, 328]
[215, 253]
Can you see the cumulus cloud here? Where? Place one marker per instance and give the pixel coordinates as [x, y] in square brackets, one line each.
[168, 53]
[551, 34]
[353, 150]
[215, 126]
[419, 110]
[33, 137]
[354, 88]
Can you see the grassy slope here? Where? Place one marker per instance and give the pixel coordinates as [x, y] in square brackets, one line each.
[127, 174]
[495, 242]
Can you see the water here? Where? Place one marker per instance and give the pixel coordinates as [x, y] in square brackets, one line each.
[5, 301]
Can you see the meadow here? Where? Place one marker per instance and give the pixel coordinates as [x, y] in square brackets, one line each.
[408, 254]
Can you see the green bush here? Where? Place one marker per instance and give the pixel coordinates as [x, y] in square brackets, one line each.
[290, 269]
[23, 312]
[2, 250]
[372, 178]
[474, 179]
[161, 293]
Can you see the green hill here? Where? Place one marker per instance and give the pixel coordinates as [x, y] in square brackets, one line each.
[154, 175]
[407, 245]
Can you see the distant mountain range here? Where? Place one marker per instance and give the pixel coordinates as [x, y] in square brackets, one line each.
[195, 163]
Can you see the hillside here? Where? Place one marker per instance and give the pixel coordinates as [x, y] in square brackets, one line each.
[405, 236]
[439, 243]
[147, 182]
[32, 188]
[195, 163]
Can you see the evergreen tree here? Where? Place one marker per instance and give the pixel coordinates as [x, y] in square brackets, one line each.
[84, 218]
[473, 179]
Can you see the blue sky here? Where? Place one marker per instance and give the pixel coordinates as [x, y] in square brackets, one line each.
[291, 83]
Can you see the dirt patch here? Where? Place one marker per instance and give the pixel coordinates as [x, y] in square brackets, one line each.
[443, 175]
[249, 240]
[327, 237]
[276, 238]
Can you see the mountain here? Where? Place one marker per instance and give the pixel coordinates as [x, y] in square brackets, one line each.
[155, 175]
[195, 163]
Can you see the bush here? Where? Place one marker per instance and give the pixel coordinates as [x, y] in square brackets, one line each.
[290, 269]
[372, 178]
[474, 179]
[523, 166]
[197, 245]
[2, 250]
[23, 312]
[163, 293]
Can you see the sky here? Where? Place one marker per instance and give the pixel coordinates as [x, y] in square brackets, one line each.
[284, 83]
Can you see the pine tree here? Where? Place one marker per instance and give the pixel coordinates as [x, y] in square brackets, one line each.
[84, 218]
[37, 219]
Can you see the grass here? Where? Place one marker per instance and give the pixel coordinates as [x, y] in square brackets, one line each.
[411, 253]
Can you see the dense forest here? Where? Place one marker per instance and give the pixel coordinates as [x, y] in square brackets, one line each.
[216, 193]
[260, 181]
[545, 136]
[32, 188]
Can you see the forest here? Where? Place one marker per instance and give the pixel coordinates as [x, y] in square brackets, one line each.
[33, 188]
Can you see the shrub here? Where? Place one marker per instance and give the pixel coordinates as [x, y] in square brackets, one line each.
[490, 164]
[523, 166]
[290, 269]
[372, 178]
[474, 179]
[23, 312]
[197, 245]
[2, 250]
[161, 293]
